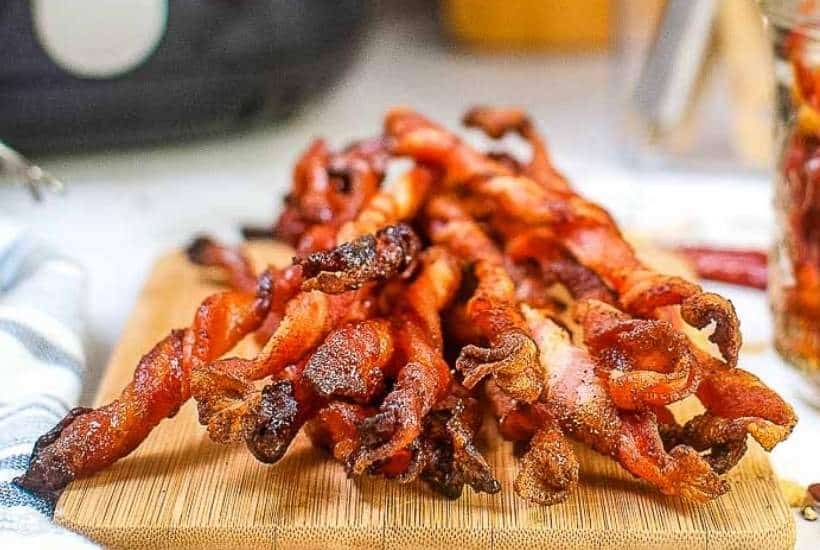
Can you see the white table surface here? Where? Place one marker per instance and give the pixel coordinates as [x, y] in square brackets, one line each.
[126, 208]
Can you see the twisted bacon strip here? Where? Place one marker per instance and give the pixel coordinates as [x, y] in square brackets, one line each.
[649, 363]
[498, 122]
[737, 404]
[335, 427]
[352, 362]
[445, 455]
[205, 251]
[577, 403]
[328, 191]
[423, 377]
[88, 440]
[306, 205]
[238, 269]
[492, 310]
[556, 264]
[398, 203]
[277, 414]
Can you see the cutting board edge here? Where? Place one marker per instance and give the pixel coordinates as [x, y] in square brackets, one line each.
[403, 537]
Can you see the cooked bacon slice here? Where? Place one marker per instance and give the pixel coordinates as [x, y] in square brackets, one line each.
[511, 357]
[680, 471]
[351, 362]
[328, 190]
[516, 421]
[736, 394]
[88, 440]
[423, 377]
[444, 455]
[496, 122]
[207, 252]
[305, 205]
[399, 203]
[578, 402]
[278, 413]
[336, 427]
[370, 258]
[539, 245]
[647, 363]
[549, 469]
[238, 269]
[492, 310]
[737, 404]
[412, 135]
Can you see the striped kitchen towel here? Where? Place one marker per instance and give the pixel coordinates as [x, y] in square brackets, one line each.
[41, 369]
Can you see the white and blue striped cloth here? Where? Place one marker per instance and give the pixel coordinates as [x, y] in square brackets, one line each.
[42, 363]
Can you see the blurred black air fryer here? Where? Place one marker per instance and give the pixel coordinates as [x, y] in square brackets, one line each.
[101, 73]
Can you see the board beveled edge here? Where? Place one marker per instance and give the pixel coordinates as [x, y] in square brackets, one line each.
[277, 536]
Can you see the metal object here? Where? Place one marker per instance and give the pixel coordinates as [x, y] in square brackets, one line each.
[670, 73]
[35, 178]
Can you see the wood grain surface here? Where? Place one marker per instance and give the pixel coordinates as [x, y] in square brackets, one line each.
[180, 490]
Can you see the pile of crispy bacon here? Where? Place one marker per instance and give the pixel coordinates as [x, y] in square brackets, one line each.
[472, 278]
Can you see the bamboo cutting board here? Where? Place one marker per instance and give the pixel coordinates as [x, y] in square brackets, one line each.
[180, 490]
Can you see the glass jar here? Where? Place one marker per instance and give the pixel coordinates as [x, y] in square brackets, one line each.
[794, 285]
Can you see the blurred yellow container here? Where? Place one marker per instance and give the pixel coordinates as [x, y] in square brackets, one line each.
[529, 24]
